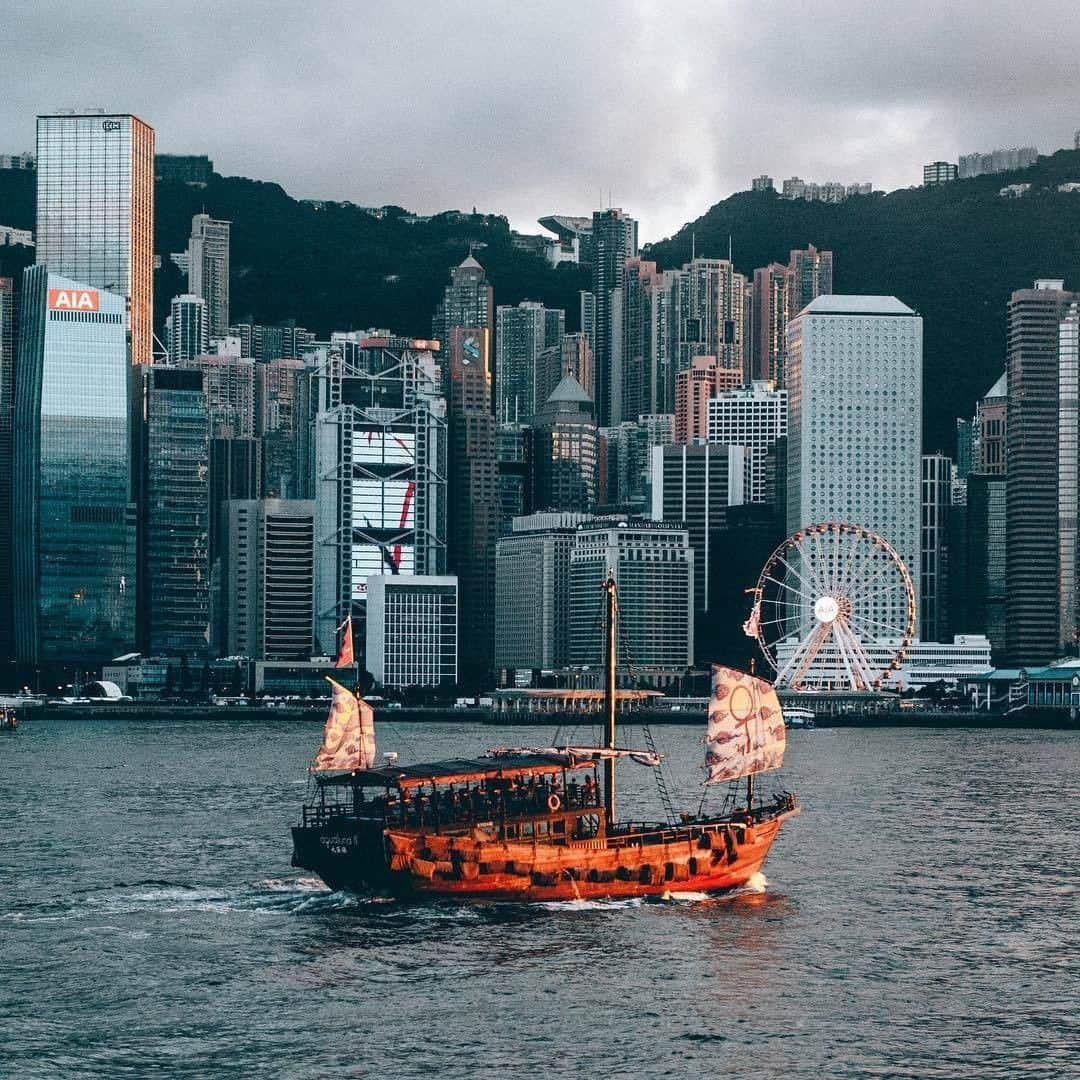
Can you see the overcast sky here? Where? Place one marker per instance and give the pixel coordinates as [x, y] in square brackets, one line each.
[534, 108]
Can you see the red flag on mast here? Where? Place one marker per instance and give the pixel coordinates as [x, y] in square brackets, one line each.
[345, 656]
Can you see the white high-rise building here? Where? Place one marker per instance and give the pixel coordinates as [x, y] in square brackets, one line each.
[855, 422]
[532, 591]
[653, 564]
[186, 330]
[753, 416]
[208, 269]
[411, 629]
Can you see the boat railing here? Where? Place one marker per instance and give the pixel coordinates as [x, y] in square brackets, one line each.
[466, 808]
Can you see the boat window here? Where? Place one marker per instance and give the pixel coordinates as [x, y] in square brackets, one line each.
[526, 828]
[541, 828]
[559, 826]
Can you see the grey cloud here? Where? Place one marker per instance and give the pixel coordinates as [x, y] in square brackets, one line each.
[528, 109]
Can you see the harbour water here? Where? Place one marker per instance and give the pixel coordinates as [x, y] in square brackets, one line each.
[919, 919]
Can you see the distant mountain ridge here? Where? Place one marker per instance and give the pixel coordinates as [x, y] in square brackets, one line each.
[953, 252]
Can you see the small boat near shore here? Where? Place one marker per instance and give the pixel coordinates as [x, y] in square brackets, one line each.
[540, 823]
[9, 719]
[799, 718]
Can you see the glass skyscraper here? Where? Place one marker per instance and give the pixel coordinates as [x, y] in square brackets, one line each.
[73, 519]
[175, 578]
[95, 209]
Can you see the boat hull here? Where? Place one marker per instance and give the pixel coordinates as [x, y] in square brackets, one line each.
[711, 857]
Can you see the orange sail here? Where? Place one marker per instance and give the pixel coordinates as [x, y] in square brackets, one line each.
[346, 658]
[746, 727]
[349, 738]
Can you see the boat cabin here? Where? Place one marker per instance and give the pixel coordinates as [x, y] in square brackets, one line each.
[518, 797]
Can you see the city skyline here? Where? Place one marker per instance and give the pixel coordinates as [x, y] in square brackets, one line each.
[981, 84]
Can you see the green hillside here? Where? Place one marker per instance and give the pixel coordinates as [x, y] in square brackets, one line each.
[954, 253]
[337, 268]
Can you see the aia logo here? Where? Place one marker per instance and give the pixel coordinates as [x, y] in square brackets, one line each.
[73, 300]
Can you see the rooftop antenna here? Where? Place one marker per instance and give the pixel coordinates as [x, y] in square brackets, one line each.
[693, 246]
[729, 247]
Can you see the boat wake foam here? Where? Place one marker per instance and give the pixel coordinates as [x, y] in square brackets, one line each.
[757, 883]
[610, 904]
[282, 896]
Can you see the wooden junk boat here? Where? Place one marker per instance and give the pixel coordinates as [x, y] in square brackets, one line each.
[537, 824]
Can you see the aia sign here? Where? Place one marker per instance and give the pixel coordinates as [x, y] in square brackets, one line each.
[73, 300]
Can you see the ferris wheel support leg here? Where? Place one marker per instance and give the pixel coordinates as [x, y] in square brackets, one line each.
[839, 628]
[813, 647]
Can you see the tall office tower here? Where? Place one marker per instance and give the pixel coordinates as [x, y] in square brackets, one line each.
[615, 239]
[1068, 477]
[693, 486]
[7, 413]
[269, 578]
[779, 294]
[855, 425]
[235, 473]
[208, 269]
[979, 598]
[707, 309]
[1041, 456]
[753, 416]
[515, 481]
[965, 447]
[694, 388]
[769, 322]
[186, 334]
[654, 572]
[474, 511]
[554, 326]
[629, 463]
[74, 542]
[378, 470]
[564, 451]
[572, 356]
[532, 592]
[991, 421]
[467, 301]
[275, 395]
[810, 275]
[229, 382]
[275, 423]
[412, 630]
[640, 368]
[174, 568]
[934, 564]
[95, 210]
[520, 338]
[588, 315]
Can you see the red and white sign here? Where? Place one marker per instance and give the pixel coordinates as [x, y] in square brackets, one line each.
[73, 299]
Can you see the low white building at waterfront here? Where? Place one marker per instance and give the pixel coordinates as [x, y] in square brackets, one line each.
[926, 662]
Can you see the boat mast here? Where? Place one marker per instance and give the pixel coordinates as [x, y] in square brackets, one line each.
[611, 605]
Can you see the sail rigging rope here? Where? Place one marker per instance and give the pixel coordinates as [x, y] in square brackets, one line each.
[665, 783]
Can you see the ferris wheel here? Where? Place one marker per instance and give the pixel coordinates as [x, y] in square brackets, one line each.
[834, 608]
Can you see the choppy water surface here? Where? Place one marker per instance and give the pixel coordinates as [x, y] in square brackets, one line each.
[920, 919]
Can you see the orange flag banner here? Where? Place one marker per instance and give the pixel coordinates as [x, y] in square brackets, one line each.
[346, 657]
